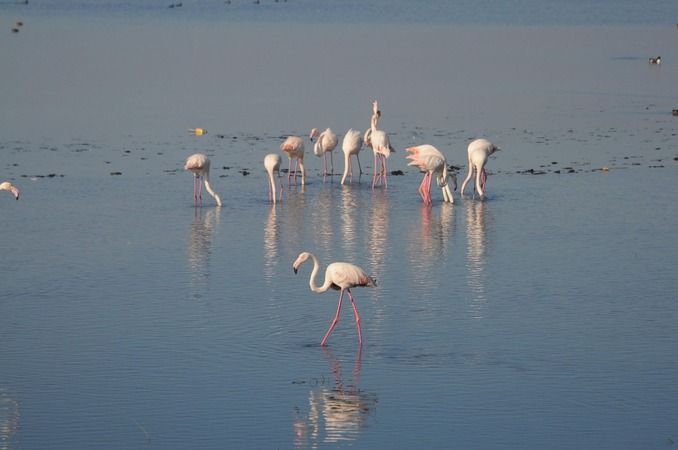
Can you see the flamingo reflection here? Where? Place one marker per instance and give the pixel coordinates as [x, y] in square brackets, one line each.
[200, 245]
[271, 237]
[336, 414]
[428, 241]
[475, 255]
[9, 420]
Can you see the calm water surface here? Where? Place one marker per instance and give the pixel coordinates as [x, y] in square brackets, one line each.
[543, 317]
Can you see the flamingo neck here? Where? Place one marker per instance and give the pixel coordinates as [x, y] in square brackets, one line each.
[210, 190]
[273, 188]
[311, 282]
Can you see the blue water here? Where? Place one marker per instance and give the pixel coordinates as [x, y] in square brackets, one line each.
[543, 317]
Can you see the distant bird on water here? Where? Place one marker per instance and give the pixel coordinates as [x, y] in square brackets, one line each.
[478, 153]
[272, 163]
[429, 159]
[294, 147]
[326, 143]
[339, 276]
[199, 164]
[657, 60]
[351, 146]
[7, 186]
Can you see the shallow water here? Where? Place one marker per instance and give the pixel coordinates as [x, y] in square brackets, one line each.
[542, 317]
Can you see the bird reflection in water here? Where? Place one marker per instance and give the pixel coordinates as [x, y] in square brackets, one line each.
[200, 246]
[428, 241]
[337, 414]
[9, 419]
[377, 233]
[475, 255]
[349, 211]
[322, 219]
[271, 236]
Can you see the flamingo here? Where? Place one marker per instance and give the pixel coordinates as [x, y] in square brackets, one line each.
[478, 153]
[326, 142]
[199, 164]
[7, 186]
[429, 159]
[351, 146]
[272, 164]
[294, 147]
[340, 276]
[380, 143]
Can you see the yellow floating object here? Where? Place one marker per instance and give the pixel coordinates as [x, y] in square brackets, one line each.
[198, 131]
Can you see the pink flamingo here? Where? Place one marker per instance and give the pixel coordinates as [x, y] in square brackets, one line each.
[429, 159]
[326, 142]
[381, 145]
[7, 186]
[478, 153]
[272, 163]
[294, 147]
[340, 276]
[199, 164]
[351, 145]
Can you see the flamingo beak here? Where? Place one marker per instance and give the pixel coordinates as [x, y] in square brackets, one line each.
[295, 269]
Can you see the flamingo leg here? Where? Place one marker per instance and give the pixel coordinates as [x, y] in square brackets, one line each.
[421, 188]
[331, 164]
[483, 179]
[334, 322]
[428, 189]
[200, 192]
[384, 170]
[374, 177]
[296, 166]
[479, 187]
[357, 318]
[360, 168]
[195, 190]
[289, 171]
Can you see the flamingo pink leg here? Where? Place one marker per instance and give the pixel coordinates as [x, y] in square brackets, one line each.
[483, 179]
[357, 319]
[384, 170]
[334, 322]
[374, 178]
[289, 172]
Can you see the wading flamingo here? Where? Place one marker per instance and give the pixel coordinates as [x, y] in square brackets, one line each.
[272, 164]
[429, 159]
[381, 146]
[294, 147]
[7, 186]
[478, 153]
[351, 146]
[327, 141]
[339, 276]
[199, 164]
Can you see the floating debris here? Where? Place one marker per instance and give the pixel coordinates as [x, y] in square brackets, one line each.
[116, 173]
[397, 172]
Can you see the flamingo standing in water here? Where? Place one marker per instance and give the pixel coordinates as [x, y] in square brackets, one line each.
[294, 147]
[381, 145]
[351, 146]
[272, 163]
[339, 276]
[326, 142]
[429, 159]
[478, 153]
[199, 164]
[7, 186]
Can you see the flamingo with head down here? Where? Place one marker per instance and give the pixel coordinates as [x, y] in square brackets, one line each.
[430, 160]
[199, 165]
[351, 146]
[340, 276]
[272, 163]
[326, 143]
[478, 153]
[294, 147]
